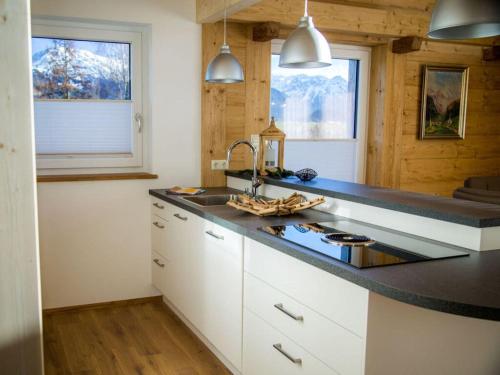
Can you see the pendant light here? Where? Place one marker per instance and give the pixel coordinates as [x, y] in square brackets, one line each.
[306, 47]
[465, 19]
[224, 68]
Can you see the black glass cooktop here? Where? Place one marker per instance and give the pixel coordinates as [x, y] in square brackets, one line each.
[361, 245]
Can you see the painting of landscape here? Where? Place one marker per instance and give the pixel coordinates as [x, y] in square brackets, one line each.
[444, 98]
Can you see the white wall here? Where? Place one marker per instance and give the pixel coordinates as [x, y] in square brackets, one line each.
[20, 307]
[95, 236]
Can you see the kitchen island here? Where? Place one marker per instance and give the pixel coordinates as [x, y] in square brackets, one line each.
[445, 302]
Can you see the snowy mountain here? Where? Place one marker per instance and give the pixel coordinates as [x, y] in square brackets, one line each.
[314, 93]
[64, 72]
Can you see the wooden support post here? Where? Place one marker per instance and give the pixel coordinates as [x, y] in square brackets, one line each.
[266, 31]
[406, 44]
[491, 53]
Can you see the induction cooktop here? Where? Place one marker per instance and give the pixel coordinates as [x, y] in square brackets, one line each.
[362, 245]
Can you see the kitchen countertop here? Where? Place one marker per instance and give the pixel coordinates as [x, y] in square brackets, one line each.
[468, 286]
[474, 214]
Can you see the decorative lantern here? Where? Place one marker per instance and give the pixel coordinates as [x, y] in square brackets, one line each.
[271, 148]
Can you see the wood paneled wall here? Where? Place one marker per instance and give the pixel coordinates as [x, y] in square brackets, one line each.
[395, 157]
[233, 111]
[440, 166]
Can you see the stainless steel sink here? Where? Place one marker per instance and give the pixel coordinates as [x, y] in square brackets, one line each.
[209, 200]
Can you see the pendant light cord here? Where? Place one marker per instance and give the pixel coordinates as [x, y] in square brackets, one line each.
[305, 8]
[225, 15]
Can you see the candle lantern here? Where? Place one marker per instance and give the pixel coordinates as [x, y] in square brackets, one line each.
[271, 148]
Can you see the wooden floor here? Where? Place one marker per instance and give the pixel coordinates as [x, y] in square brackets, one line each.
[144, 338]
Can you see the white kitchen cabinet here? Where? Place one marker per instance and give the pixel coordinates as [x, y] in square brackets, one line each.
[204, 278]
[326, 340]
[323, 314]
[333, 297]
[269, 352]
[219, 285]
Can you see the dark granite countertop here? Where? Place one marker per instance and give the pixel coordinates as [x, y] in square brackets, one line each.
[468, 286]
[473, 214]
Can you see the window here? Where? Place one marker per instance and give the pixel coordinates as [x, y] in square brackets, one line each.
[323, 113]
[315, 104]
[88, 102]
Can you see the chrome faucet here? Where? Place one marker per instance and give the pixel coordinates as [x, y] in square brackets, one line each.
[256, 182]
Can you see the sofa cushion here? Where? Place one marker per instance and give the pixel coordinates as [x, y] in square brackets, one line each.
[478, 195]
[485, 183]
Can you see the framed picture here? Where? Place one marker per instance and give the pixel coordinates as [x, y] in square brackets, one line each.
[444, 102]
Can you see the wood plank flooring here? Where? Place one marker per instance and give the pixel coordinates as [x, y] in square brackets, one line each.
[146, 338]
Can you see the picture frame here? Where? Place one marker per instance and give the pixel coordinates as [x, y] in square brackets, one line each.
[444, 102]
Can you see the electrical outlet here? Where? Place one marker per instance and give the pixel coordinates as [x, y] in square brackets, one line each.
[255, 140]
[219, 164]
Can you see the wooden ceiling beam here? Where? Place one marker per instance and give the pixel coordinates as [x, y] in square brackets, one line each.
[384, 22]
[264, 32]
[406, 44]
[491, 53]
[422, 5]
[370, 18]
[210, 11]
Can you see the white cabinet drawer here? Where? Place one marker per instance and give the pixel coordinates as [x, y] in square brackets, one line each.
[159, 272]
[159, 207]
[334, 345]
[337, 299]
[224, 237]
[262, 355]
[159, 241]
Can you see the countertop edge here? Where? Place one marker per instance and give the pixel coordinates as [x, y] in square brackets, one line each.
[445, 306]
[395, 206]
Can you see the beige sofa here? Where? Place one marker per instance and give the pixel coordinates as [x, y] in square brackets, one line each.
[480, 189]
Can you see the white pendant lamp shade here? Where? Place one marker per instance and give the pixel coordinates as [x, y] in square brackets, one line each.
[306, 47]
[224, 68]
[465, 19]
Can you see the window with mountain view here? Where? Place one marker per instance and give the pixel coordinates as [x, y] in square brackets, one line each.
[87, 95]
[323, 112]
[80, 69]
[315, 104]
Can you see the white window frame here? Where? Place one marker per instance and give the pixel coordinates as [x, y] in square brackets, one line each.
[138, 37]
[362, 54]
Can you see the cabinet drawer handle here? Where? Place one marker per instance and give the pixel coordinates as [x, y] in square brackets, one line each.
[218, 236]
[279, 348]
[157, 224]
[158, 206]
[183, 218]
[280, 307]
[157, 261]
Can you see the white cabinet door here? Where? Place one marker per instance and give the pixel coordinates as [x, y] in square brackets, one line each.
[266, 351]
[159, 271]
[159, 229]
[205, 276]
[220, 294]
[184, 233]
[337, 347]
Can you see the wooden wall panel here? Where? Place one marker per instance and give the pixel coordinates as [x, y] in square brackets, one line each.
[440, 166]
[386, 117]
[233, 111]
[395, 156]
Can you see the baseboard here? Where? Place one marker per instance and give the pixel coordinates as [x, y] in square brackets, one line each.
[202, 338]
[102, 305]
